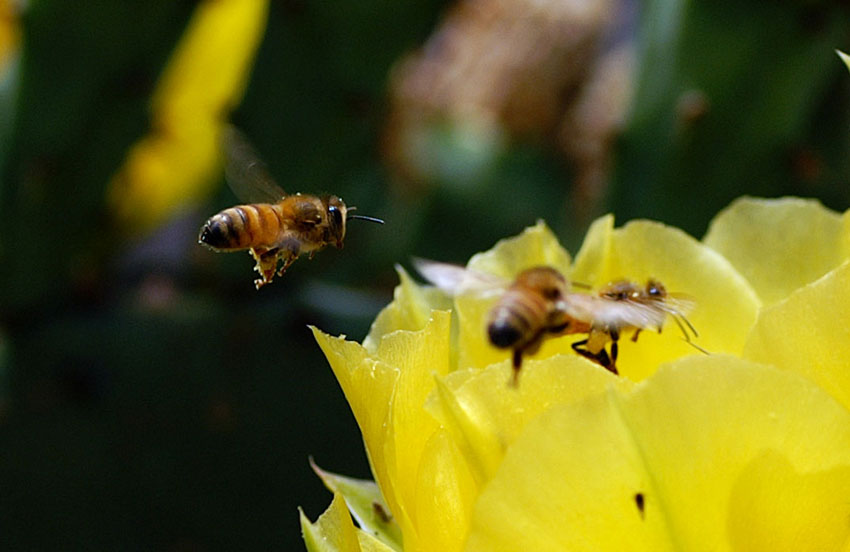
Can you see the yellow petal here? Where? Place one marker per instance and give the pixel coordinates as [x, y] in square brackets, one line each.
[366, 504]
[410, 309]
[368, 543]
[484, 414]
[769, 492]
[809, 333]
[387, 391]
[655, 469]
[535, 246]
[445, 494]
[474, 349]
[593, 261]
[334, 532]
[418, 356]
[368, 385]
[778, 244]
[726, 305]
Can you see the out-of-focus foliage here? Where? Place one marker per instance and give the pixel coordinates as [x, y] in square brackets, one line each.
[176, 162]
[734, 98]
[151, 398]
[10, 41]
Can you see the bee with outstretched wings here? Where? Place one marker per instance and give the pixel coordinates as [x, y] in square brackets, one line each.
[275, 227]
[540, 303]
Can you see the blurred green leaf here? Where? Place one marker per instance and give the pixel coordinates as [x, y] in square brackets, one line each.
[9, 80]
[725, 93]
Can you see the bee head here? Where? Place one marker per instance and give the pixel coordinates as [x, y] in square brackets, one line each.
[656, 289]
[337, 215]
[543, 280]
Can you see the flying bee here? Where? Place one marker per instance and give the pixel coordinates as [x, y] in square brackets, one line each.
[275, 228]
[656, 305]
[540, 303]
[527, 311]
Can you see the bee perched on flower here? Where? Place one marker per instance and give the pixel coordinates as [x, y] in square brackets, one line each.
[744, 449]
[539, 303]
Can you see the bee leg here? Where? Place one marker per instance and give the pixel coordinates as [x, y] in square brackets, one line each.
[289, 251]
[636, 334]
[580, 348]
[615, 349]
[266, 265]
[607, 361]
[287, 259]
[517, 365]
[600, 358]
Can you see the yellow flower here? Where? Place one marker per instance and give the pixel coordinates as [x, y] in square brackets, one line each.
[745, 449]
[204, 79]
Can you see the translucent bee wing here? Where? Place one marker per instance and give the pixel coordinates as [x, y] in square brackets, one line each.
[610, 313]
[457, 280]
[678, 304]
[245, 172]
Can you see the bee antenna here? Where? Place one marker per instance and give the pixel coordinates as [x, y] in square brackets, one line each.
[364, 217]
[691, 326]
[695, 346]
[687, 337]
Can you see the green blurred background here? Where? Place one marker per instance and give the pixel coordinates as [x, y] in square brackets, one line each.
[151, 399]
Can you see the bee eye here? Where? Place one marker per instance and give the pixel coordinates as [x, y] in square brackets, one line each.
[551, 293]
[336, 215]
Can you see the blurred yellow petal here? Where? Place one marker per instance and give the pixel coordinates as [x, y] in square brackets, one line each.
[163, 171]
[10, 33]
[207, 73]
[809, 333]
[535, 246]
[410, 309]
[778, 244]
[726, 305]
[445, 494]
[484, 414]
[334, 532]
[205, 78]
[844, 57]
[657, 468]
[769, 492]
[366, 504]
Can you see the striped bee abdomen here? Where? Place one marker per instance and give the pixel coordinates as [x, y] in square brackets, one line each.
[242, 227]
[516, 319]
